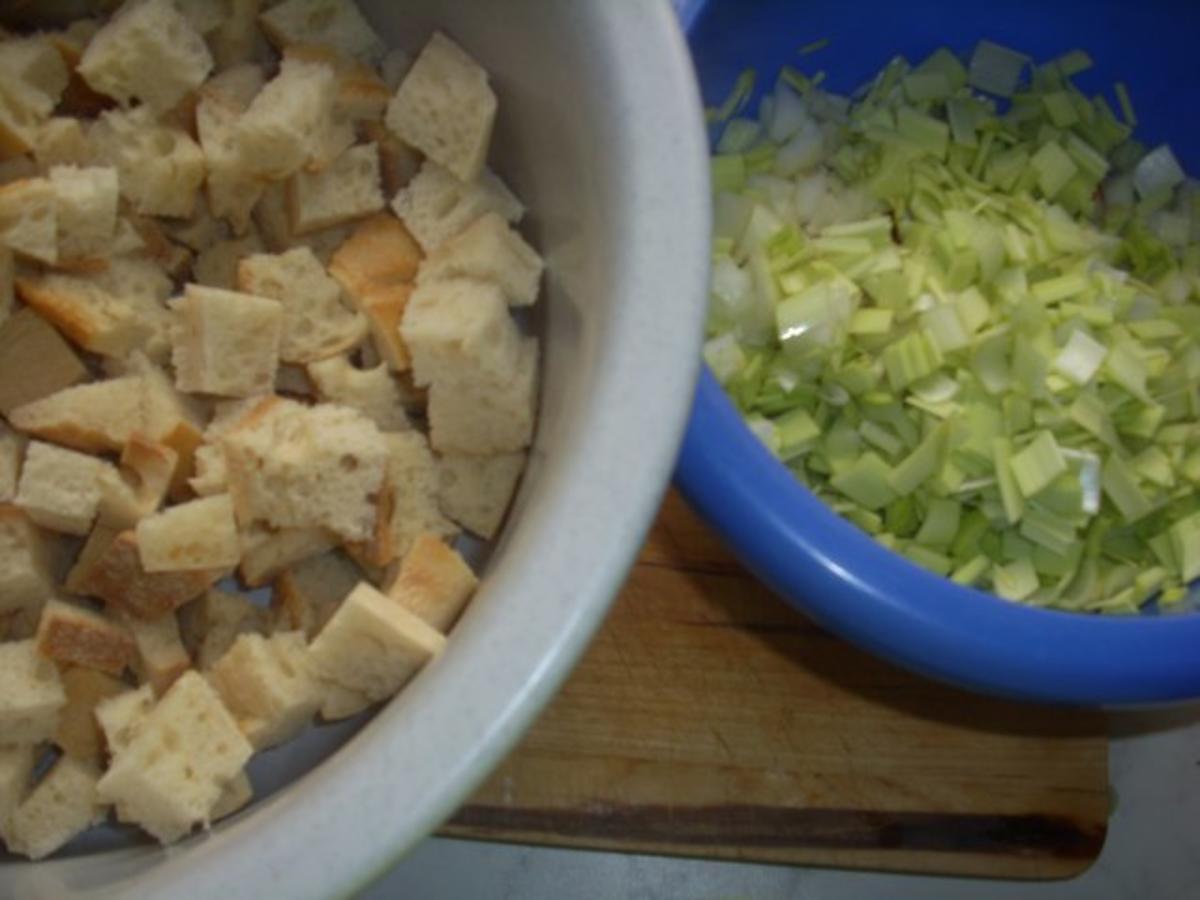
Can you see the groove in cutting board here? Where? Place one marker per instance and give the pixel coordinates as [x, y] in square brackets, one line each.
[709, 719]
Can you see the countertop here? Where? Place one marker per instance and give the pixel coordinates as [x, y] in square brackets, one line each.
[1152, 851]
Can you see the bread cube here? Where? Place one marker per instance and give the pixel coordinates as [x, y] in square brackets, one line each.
[16, 766]
[292, 466]
[232, 188]
[227, 343]
[97, 417]
[306, 595]
[379, 251]
[275, 224]
[460, 328]
[141, 485]
[237, 794]
[160, 167]
[86, 312]
[12, 449]
[60, 489]
[267, 685]
[316, 324]
[435, 205]
[60, 141]
[484, 416]
[434, 582]
[371, 391]
[202, 230]
[33, 694]
[86, 202]
[211, 624]
[173, 772]
[161, 656]
[339, 702]
[211, 476]
[29, 218]
[216, 266]
[475, 491]
[71, 634]
[287, 123]
[193, 536]
[63, 805]
[384, 305]
[413, 483]
[122, 715]
[25, 577]
[205, 16]
[238, 39]
[78, 733]
[335, 23]
[445, 108]
[489, 250]
[398, 162]
[346, 190]
[33, 77]
[372, 645]
[148, 52]
[266, 553]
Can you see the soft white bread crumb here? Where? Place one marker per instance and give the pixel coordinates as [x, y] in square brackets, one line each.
[412, 480]
[372, 391]
[60, 141]
[345, 190]
[436, 206]
[161, 656]
[60, 489]
[25, 577]
[484, 416]
[211, 624]
[445, 108]
[475, 491]
[33, 77]
[267, 684]
[460, 327]
[160, 167]
[185, 753]
[316, 323]
[335, 23]
[266, 553]
[216, 266]
[85, 312]
[197, 535]
[16, 767]
[489, 250]
[211, 476]
[339, 702]
[372, 645]
[78, 733]
[12, 450]
[63, 805]
[293, 466]
[29, 218]
[86, 209]
[71, 634]
[120, 716]
[288, 121]
[308, 593]
[232, 188]
[226, 343]
[95, 417]
[142, 483]
[148, 52]
[238, 39]
[33, 694]
[142, 286]
[379, 251]
[434, 582]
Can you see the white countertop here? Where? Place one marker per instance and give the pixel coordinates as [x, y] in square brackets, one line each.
[1152, 851]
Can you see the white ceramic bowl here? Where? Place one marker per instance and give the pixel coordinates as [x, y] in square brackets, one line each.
[600, 133]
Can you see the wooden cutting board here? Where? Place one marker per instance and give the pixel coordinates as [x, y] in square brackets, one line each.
[709, 719]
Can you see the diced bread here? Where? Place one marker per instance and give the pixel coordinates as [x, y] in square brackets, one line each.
[371, 391]
[475, 491]
[238, 39]
[287, 123]
[169, 259]
[142, 483]
[16, 767]
[291, 466]
[237, 794]
[384, 306]
[434, 582]
[336, 23]
[233, 190]
[226, 343]
[35, 361]
[85, 311]
[308, 593]
[412, 481]
[445, 108]
[86, 209]
[205, 16]
[267, 684]
[95, 417]
[398, 162]
[346, 190]
[70, 634]
[147, 52]
[161, 656]
[211, 476]
[484, 416]
[193, 536]
[33, 77]
[436, 206]
[362, 95]
[460, 327]
[211, 624]
[379, 251]
[186, 752]
[201, 231]
[489, 250]
[372, 645]
[62, 806]
[142, 285]
[78, 733]
[266, 553]
[216, 266]
[110, 569]
[160, 167]
[60, 141]
[33, 694]
[121, 715]
[316, 324]
[60, 489]
[29, 218]
[12, 450]
[339, 702]
[26, 579]
[274, 222]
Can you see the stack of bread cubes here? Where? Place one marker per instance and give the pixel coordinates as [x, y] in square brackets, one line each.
[257, 330]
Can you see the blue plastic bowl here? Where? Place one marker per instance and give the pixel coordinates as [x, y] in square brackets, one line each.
[818, 561]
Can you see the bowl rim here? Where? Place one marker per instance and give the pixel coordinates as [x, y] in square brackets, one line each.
[848, 582]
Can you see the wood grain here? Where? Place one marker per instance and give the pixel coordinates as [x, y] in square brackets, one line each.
[709, 719]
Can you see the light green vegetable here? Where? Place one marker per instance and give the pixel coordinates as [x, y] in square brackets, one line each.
[971, 326]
